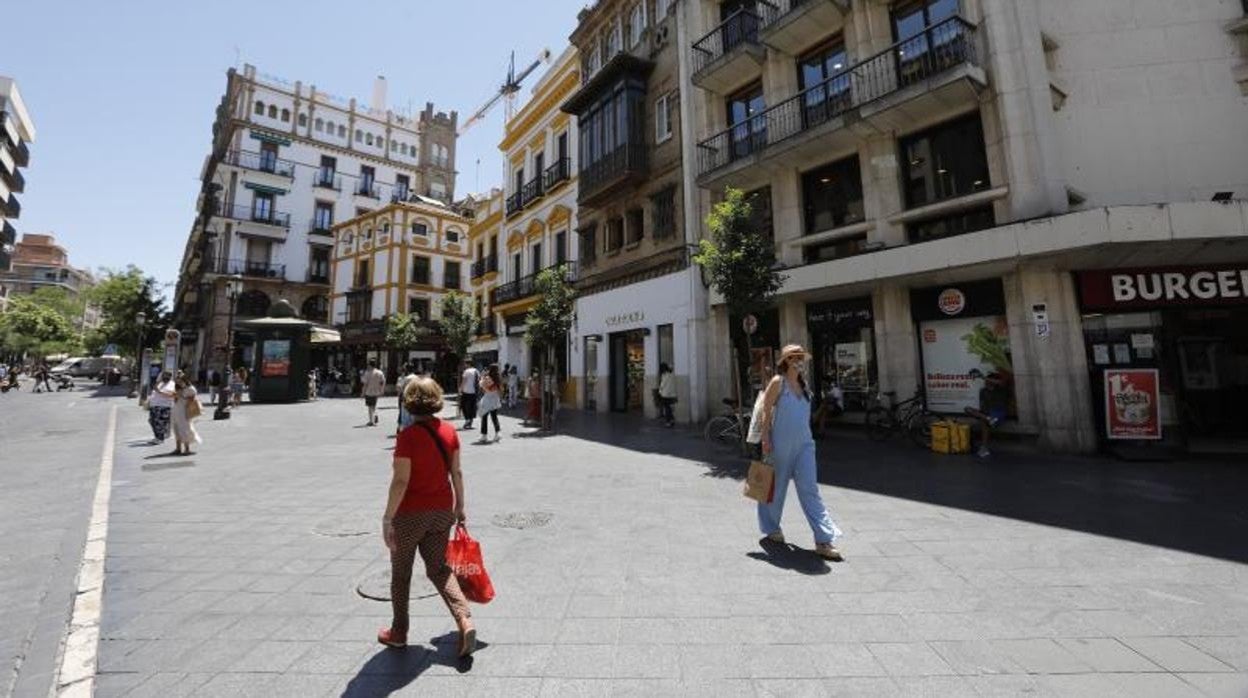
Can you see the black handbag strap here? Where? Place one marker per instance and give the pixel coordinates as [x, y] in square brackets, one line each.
[446, 460]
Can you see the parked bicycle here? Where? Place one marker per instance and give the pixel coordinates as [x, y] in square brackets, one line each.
[910, 416]
[728, 430]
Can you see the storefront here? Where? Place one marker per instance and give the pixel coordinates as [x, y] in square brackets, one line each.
[964, 344]
[842, 338]
[1167, 352]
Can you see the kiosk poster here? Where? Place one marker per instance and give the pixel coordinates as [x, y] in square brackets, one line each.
[276, 358]
[952, 349]
[1132, 403]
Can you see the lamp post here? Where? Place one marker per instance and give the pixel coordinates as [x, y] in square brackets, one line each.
[139, 321]
[233, 289]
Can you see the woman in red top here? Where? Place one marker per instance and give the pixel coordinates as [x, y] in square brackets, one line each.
[426, 500]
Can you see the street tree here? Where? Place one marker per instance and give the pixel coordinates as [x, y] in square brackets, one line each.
[548, 324]
[459, 322]
[33, 327]
[741, 264]
[121, 295]
[405, 331]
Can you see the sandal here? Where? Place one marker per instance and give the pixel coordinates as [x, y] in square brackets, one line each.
[828, 551]
[467, 642]
[389, 638]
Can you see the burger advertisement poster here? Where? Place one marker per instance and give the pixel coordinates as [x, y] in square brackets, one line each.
[1132, 404]
[965, 345]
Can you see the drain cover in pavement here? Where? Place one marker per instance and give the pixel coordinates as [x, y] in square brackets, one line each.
[375, 585]
[346, 526]
[523, 519]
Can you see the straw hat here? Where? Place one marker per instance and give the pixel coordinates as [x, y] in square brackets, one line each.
[791, 351]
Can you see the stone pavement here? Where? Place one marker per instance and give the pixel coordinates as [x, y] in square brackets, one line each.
[50, 447]
[234, 571]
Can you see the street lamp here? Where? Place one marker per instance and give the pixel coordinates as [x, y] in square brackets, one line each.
[139, 321]
[233, 289]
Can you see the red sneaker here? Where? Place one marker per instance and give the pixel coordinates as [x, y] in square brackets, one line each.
[389, 638]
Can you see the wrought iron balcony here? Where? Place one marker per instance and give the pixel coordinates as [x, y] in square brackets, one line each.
[316, 277]
[939, 48]
[367, 190]
[626, 163]
[532, 191]
[13, 208]
[8, 234]
[513, 204]
[481, 267]
[399, 196]
[326, 179]
[316, 227]
[560, 171]
[21, 154]
[248, 213]
[527, 286]
[15, 180]
[249, 268]
[740, 29]
[261, 162]
[791, 26]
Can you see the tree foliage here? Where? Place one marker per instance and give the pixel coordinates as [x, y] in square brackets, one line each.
[121, 296]
[548, 322]
[32, 324]
[459, 322]
[738, 259]
[406, 330]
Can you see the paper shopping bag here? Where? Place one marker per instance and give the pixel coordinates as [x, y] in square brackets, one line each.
[760, 482]
[463, 555]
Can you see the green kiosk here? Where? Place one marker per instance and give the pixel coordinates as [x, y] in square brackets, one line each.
[283, 353]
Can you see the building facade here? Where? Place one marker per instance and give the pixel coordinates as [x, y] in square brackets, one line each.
[288, 162]
[640, 301]
[39, 262]
[401, 258]
[951, 185]
[539, 218]
[16, 132]
[483, 240]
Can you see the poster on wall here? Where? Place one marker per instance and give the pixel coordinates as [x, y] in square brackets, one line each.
[851, 365]
[276, 358]
[952, 348]
[1132, 403]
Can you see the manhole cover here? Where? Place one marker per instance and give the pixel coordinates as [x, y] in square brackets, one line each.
[347, 526]
[523, 519]
[375, 585]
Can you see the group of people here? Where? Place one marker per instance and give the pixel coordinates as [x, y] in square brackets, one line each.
[174, 402]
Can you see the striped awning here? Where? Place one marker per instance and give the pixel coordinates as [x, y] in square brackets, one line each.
[270, 137]
[265, 189]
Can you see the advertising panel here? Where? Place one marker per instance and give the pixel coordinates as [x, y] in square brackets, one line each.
[1159, 287]
[1132, 403]
[952, 349]
[275, 361]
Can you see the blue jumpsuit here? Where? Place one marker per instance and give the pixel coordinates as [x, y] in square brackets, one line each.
[793, 456]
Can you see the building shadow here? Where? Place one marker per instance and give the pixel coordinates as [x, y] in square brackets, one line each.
[1196, 506]
[391, 670]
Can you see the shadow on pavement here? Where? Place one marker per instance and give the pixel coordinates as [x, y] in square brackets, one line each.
[1195, 506]
[787, 556]
[391, 670]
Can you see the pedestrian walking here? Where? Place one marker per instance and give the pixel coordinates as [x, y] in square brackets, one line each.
[186, 408]
[373, 385]
[994, 400]
[160, 407]
[513, 388]
[787, 439]
[534, 390]
[405, 417]
[238, 381]
[504, 390]
[491, 402]
[426, 499]
[667, 394]
[468, 394]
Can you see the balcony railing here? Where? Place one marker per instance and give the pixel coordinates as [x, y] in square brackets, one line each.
[249, 268]
[261, 162]
[513, 204]
[13, 209]
[739, 29]
[399, 196]
[938, 48]
[8, 234]
[327, 180]
[560, 171]
[368, 189]
[532, 191]
[21, 154]
[316, 277]
[526, 286]
[488, 327]
[316, 227]
[15, 180]
[481, 267]
[248, 213]
[772, 11]
[626, 160]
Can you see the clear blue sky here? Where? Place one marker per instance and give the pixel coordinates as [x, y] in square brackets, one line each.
[122, 95]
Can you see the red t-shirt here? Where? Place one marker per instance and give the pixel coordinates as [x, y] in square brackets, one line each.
[429, 487]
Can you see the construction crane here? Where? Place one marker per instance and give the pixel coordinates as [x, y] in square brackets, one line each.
[507, 92]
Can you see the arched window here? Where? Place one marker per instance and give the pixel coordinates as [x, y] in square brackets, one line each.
[316, 308]
[342, 131]
[286, 115]
[359, 136]
[253, 303]
[320, 124]
[385, 228]
[368, 139]
[260, 107]
[272, 111]
[329, 127]
[367, 236]
[303, 119]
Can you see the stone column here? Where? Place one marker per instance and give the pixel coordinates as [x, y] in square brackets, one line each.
[896, 347]
[881, 188]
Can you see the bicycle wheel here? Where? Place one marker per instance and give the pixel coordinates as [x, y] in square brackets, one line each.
[722, 431]
[879, 424]
[920, 429]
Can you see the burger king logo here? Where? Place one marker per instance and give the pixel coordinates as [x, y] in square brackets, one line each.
[951, 301]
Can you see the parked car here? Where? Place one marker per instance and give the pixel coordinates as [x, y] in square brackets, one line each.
[87, 366]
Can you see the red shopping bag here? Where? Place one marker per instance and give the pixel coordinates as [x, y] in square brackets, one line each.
[463, 554]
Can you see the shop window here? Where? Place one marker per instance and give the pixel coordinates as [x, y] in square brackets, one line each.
[636, 226]
[835, 249]
[956, 224]
[663, 213]
[844, 366]
[832, 196]
[420, 270]
[944, 162]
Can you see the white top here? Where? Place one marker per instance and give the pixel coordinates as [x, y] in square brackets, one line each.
[156, 399]
[468, 382]
[513, 381]
[374, 382]
[667, 385]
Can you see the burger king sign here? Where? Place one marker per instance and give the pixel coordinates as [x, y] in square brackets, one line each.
[951, 301]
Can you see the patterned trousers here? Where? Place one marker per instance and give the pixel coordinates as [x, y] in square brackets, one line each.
[158, 418]
[426, 531]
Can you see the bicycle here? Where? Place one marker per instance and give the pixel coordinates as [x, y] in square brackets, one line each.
[909, 415]
[728, 430]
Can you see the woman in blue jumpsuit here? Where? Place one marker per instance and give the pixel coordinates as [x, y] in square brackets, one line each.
[787, 439]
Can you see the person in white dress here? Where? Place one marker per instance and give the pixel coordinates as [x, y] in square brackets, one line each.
[185, 410]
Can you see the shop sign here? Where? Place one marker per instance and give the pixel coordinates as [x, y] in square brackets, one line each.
[632, 318]
[1132, 404]
[173, 340]
[1124, 289]
[951, 301]
[849, 314]
[952, 348]
[275, 359]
